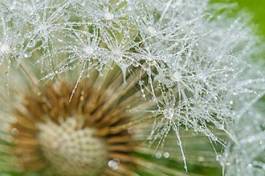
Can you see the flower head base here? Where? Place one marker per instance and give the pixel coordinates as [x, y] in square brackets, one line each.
[72, 151]
[73, 133]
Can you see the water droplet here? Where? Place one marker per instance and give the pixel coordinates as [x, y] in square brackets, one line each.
[108, 16]
[201, 159]
[4, 49]
[117, 53]
[151, 30]
[158, 155]
[218, 157]
[113, 164]
[166, 155]
[26, 55]
[169, 113]
[88, 50]
[177, 76]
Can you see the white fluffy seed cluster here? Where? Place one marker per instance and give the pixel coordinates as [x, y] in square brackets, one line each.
[246, 156]
[71, 151]
[198, 70]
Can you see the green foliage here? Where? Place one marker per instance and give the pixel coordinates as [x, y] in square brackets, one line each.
[256, 8]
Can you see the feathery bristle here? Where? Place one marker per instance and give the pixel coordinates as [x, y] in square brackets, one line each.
[73, 129]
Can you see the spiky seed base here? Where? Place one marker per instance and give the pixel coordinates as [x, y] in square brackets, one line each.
[76, 130]
[72, 151]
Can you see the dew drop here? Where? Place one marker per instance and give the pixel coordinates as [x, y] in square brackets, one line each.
[4, 49]
[169, 113]
[151, 30]
[176, 76]
[113, 164]
[201, 159]
[250, 165]
[108, 16]
[88, 50]
[166, 155]
[158, 155]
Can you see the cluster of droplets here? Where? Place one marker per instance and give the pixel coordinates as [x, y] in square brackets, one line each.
[198, 70]
[246, 154]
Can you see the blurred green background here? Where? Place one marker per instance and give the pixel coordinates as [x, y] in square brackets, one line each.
[256, 9]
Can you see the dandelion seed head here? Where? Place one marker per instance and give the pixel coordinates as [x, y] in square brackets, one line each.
[196, 71]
